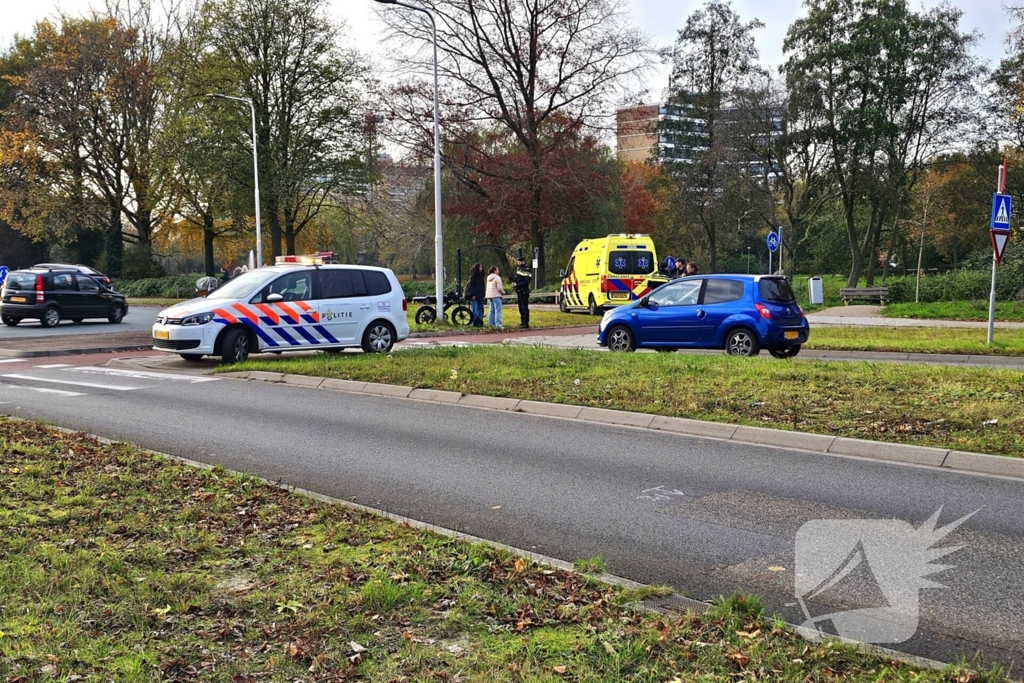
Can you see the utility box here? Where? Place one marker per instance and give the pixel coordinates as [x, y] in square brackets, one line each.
[814, 288]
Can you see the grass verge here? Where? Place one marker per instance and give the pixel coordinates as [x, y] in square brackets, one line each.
[1006, 311]
[162, 303]
[971, 409]
[957, 340]
[122, 566]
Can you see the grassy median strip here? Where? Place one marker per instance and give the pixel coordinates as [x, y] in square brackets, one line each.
[122, 566]
[539, 319]
[956, 340]
[971, 409]
[1010, 311]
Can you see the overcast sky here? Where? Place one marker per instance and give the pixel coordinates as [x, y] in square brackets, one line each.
[660, 18]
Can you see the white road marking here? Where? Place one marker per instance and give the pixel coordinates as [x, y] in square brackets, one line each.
[140, 374]
[55, 365]
[14, 360]
[44, 390]
[77, 384]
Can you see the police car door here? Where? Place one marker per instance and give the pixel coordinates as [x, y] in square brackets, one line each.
[342, 293]
[288, 311]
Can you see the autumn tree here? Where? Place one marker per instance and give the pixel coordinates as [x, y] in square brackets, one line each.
[542, 71]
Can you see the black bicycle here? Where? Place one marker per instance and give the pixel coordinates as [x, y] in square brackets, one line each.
[455, 309]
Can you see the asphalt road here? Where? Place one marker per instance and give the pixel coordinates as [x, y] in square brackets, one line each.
[138, 318]
[704, 516]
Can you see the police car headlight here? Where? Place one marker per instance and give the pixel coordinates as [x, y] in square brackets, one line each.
[199, 319]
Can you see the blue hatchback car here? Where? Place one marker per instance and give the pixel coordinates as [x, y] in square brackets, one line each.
[739, 313]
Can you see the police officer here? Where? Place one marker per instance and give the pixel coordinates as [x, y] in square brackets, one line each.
[521, 283]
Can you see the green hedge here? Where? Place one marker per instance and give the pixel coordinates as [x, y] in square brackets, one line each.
[171, 287]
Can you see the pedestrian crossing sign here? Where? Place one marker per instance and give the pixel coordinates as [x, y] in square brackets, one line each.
[1001, 211]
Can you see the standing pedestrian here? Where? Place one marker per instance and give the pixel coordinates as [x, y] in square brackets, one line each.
[521, 284]
[681, 268]
[691, 268]
[475, 290]
[495, 290]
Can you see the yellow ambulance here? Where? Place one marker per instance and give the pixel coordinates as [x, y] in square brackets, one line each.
[609, 271]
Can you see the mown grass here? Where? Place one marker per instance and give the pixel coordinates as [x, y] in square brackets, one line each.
[957, 340]
[122, 566]
[1007, 311]
[941, 406]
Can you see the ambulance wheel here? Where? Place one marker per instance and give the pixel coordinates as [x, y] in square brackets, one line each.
[561, 304]
[379, 337]
[592, 307]
[426, 315]
[191, 357]
[235, 346]
[620, 338]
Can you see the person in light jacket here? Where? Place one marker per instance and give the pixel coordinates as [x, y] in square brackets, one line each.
[495, 291]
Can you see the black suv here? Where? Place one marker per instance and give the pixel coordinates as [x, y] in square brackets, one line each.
[51, 295]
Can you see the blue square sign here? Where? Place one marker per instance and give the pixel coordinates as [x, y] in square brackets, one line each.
[1001, 205]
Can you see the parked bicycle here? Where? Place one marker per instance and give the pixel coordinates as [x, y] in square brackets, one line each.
[455, 309]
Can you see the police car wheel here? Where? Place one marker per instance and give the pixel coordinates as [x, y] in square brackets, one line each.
[379, 338]
[620, 338]
[9, 321]
[235, 348]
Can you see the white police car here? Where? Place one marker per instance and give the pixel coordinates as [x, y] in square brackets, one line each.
[298, 304]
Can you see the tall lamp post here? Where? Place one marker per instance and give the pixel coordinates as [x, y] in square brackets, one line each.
[255, 171]
[438, 246]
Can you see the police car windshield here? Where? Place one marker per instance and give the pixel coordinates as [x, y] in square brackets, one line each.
[246, 283]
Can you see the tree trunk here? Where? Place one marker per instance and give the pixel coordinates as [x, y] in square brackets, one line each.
[208, 235]
[289, 242]
[275, 232]
[856, 256]
[713, 248]
[114, 245]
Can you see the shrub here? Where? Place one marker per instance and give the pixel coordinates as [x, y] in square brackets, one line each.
[171, 287]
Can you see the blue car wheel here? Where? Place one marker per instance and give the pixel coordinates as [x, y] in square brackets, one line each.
[742, 342]
[620, 338]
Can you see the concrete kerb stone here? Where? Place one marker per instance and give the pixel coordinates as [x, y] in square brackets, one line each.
[235, 375]
[303, 380]
[896, 452]
[549, 409]
[435, 395]
[987, 464]
[893, 452]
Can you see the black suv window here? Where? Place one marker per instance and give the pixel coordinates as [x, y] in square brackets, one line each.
[631, 262]
[20, 281]
[341, 284]
[85, 284]
[63, 282]
[776, 290]
[722, 291]
[376, 282]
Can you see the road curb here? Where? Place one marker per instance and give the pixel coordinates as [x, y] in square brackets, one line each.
[17, 353]
[838, 446]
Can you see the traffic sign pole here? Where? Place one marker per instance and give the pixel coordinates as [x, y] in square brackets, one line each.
[1001, 208]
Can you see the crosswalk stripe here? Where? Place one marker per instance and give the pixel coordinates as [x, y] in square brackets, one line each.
[140, 374]
[13, 360]
[55, 365]
[44, 390]
[77, 384]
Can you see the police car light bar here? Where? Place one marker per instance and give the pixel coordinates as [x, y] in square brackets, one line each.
[303, 260]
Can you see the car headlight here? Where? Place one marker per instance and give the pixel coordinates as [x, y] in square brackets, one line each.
[198, 319]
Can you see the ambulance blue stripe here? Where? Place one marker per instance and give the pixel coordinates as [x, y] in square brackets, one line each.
[326, 335]
[287, 337]
[305, 333]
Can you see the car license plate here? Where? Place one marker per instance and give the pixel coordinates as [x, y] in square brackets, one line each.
[619, 295]
[18, 299]
[161, 334]
[792, 335]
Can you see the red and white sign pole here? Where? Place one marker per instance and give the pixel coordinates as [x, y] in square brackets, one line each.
[996, 253]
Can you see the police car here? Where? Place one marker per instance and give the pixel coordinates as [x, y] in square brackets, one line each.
[300, 303]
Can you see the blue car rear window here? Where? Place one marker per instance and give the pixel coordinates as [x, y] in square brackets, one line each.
[722, 291]
[776, 290]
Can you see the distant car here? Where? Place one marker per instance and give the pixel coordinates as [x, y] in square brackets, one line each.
[85, 270]
[739, 313]
[52, 295]
[300, 304]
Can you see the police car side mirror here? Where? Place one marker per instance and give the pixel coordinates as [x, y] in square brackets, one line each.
[274, 298]
[561, 273]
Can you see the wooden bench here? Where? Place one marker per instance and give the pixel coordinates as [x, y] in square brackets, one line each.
[865, 294]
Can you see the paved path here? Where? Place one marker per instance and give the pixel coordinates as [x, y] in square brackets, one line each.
[705, 516]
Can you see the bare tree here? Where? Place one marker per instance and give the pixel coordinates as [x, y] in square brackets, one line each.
[541, 69]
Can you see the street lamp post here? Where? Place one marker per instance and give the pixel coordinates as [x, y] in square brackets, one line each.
[438, 246]
[255, 171]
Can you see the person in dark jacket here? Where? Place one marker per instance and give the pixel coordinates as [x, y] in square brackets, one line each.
[521, 283]
[475, 290]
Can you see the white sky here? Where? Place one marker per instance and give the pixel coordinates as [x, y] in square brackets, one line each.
[660, 18]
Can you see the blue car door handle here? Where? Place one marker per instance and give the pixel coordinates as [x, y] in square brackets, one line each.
[701, 314]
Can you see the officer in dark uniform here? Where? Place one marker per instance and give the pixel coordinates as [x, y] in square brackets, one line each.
[521, 283]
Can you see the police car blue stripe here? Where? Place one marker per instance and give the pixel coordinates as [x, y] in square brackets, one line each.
[326, 335]
[287, 337]
[259, 333]
[305, 333]
[308, 318]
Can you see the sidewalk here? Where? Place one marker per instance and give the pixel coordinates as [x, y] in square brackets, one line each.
[868, 316]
